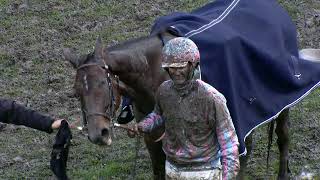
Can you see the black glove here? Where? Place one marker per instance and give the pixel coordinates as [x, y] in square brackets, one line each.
[59, 154]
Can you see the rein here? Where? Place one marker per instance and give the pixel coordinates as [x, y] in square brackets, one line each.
[108, 115]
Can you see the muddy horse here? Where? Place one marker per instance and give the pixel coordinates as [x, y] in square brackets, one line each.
[133, 68]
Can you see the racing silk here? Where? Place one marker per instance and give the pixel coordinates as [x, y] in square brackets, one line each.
[198, 128]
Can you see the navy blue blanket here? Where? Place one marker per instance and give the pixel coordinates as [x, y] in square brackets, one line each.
[249, 53]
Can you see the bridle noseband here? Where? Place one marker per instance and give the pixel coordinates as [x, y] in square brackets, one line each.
[108, 115]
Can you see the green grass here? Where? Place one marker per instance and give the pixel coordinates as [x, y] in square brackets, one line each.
[4, 3]
[290, 7]
[98, 170]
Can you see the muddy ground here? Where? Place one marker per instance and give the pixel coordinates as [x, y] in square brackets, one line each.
[32, 71]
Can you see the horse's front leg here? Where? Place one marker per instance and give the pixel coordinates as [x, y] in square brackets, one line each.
[282, 131]
[157, 156]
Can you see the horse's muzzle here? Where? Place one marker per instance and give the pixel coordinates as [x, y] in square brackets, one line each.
[102, 137]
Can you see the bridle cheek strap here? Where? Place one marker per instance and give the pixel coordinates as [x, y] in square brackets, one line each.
[111, 114]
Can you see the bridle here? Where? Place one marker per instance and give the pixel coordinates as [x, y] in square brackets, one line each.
[107, 114]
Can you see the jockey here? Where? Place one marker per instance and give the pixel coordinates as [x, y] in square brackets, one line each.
[200, 141]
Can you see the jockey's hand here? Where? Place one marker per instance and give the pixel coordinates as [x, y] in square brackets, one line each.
[140, 128]
[133, 130]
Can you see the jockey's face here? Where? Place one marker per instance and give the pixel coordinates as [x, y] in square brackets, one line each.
[179, 75]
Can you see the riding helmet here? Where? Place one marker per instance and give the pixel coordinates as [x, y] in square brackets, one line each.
[178, 52]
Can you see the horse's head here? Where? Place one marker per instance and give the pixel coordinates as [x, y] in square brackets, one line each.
[96, 88]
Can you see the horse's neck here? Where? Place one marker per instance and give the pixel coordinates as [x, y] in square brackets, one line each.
[138, 66]
[132, 56]
[137, 63]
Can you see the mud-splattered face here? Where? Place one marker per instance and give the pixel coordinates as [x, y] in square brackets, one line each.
[179, 75]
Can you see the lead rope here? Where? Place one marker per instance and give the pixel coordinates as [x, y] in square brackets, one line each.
[133, 173]
[138, 141]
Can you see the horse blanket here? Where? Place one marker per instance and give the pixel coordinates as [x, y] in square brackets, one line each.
[249, 53]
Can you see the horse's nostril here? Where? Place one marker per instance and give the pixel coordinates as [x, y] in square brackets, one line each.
[104, 132]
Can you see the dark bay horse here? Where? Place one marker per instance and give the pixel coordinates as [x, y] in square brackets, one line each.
[133, 68]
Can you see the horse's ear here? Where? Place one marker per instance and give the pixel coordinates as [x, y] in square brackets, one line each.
[70, 56]
[98, 50]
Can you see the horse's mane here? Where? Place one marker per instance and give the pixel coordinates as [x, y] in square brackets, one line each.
[133, 49]
[129, 43]
[135, 52]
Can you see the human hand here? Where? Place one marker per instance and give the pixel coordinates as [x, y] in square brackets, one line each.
[56, 123]
[134, 130]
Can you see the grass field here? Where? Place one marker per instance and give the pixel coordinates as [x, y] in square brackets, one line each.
[32, 71]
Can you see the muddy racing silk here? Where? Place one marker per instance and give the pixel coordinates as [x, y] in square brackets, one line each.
[173, 172]
[249, 53]
[198, 128]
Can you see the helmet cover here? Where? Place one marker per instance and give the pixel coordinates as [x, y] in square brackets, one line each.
[178, 52]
